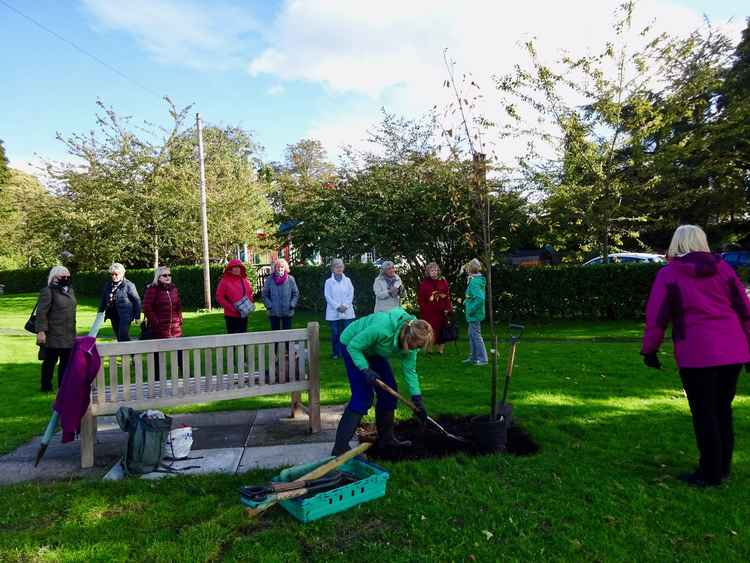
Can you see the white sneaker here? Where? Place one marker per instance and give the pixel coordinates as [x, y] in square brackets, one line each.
[467, 361]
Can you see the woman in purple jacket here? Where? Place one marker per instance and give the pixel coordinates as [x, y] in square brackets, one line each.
[710, 314]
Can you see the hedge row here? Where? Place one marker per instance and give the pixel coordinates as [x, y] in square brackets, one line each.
[614, 291]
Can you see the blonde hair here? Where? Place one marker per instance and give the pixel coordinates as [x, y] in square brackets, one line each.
[283, 262]
[158, 272]
[417, 332]
[56, 272]
[686, 239]
[336, 262]
[431, 265]
[474, 266]
[117, 267]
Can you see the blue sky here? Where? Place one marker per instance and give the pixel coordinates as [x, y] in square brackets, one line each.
[285, 70]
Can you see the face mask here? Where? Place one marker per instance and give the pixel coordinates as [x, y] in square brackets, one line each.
[64, 281]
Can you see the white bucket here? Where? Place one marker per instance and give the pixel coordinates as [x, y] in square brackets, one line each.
[178, 443]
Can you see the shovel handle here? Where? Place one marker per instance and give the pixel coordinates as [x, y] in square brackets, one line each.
[396, 394]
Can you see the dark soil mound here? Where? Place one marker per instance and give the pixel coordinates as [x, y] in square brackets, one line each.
[429, 442]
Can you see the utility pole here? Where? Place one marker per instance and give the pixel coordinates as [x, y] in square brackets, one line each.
[204, 217]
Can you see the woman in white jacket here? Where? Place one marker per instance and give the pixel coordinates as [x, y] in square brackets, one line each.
[339, 294]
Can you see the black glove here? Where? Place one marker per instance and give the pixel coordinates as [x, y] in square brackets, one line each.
[421, 413]
[651, 360]
[371, 375]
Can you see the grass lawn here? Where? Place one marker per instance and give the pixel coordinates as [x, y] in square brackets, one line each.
[614, 435]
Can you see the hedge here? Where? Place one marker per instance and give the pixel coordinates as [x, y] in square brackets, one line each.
[612, 291]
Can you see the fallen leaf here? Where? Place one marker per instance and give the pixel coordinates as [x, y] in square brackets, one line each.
[733, 532]
[424, 517]
[487, 534]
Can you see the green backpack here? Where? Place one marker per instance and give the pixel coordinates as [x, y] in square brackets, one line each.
[144, 449]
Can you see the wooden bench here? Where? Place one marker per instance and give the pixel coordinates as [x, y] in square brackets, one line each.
[212, 368]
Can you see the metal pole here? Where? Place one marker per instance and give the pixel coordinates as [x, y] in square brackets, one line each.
[204, 217]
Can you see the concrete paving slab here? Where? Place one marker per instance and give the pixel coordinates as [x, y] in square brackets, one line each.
[219, 460]
[272, 457]
[274, 427]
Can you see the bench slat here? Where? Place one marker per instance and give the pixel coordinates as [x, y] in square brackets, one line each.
[197, 371]
[219, 368]
[230, 366]
[113, 378]
[250, 364]
[151, 374]
[126, 376]
[241, 373]
[100, 383]
[208, 370]
[138, 376]
[174, 369]
[186, 372]
[191, 342]
[262, 364]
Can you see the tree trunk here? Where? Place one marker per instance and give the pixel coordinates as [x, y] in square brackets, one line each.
[156, 252]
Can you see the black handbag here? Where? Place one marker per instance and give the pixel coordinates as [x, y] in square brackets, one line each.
[147, 332]
[449, 332]
[30, 325]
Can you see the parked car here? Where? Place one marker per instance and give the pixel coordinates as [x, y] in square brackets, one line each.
[627, 258]
[737, 258]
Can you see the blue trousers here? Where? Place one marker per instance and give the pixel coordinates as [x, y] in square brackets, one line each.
[362, 392]
[477, 351]
[337, 327]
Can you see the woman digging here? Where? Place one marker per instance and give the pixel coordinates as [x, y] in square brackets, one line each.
[366, 345]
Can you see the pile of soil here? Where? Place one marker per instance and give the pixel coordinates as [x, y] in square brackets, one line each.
[429, 442]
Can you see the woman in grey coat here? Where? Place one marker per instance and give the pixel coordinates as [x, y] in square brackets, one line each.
[280, 295]
[388, 288]
[55, 325]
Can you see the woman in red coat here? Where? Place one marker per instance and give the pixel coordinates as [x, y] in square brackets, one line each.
[163, 311]
[434, 297]
[235, 295]
[161, 306]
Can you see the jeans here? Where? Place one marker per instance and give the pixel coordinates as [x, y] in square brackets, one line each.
[362, 392]
[710, 392]
[337, 327]
[120, 327]
[280, 323]
[51, 355]
[477, 351]
[235, 325]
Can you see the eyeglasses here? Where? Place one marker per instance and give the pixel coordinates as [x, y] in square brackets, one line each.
[165, 276]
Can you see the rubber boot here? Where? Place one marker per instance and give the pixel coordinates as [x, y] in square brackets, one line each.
[385, 422]
[347, 426]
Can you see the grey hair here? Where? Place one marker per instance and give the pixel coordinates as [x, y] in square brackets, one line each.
[385, 265]
[158, 272]
[686, 239]
[474, 266]
[116, 267]
[56, 272]
[336, 262]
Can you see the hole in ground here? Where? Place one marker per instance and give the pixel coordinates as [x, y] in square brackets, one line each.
[428, 442]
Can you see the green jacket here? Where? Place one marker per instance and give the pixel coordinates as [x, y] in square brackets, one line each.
[56, 316]
[377, 335]
[475, 297]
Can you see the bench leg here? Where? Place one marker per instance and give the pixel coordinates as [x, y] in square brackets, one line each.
[313, 411]
[296, 404]
[88, 439]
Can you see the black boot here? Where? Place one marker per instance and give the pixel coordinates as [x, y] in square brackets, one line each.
[384, 421]
[347, 426]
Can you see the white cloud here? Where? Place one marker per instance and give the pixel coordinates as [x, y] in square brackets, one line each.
[391, 55]
[181, 32]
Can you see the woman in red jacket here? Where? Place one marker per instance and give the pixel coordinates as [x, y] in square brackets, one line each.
[163, 311]
[235, 295]
[161, 306]
[434, 297]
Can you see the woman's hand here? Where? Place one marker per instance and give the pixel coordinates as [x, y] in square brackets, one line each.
[41, 338]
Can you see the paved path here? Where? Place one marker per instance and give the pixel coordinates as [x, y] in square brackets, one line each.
[225, 442]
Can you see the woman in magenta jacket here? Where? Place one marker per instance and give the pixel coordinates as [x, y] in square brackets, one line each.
[232, 288]
[704, 300]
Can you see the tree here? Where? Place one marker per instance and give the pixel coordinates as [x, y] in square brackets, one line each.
[135, 197]
[577, 117]
[4, 170]
[28, 223]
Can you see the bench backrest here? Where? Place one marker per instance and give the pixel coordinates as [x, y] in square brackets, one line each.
[204, 368]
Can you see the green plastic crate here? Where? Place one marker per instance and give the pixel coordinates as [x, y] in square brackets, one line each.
[371, 485]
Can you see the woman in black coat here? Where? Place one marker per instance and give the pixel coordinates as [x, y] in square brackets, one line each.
[120, 302]
[55, 325]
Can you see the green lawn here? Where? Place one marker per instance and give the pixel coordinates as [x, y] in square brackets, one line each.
[613, 435]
